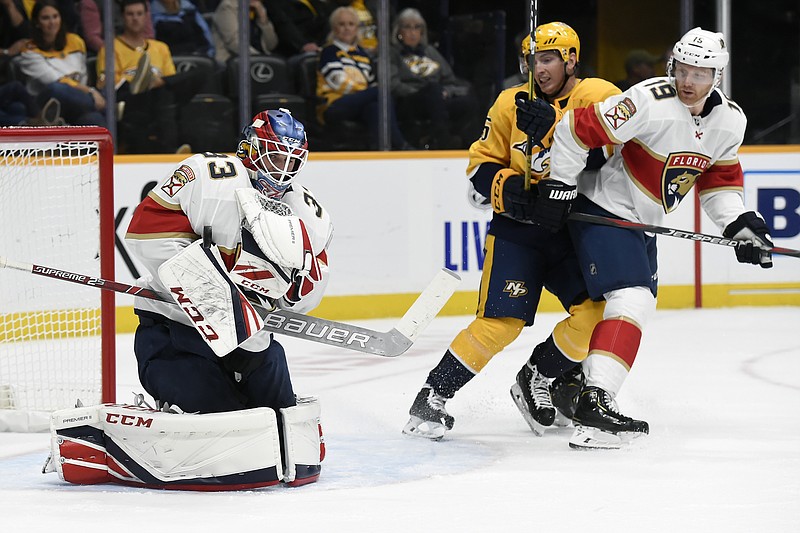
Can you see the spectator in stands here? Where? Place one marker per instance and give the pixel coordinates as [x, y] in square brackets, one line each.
[66, 8]
[14, 29]
[148, 85]
[54, 63]
[346, 81]
[179, 24]
[225, 30]
[639, 66]
[425, 87]
[367, 23]
[17, 106]
[91, 17]
[302, 25]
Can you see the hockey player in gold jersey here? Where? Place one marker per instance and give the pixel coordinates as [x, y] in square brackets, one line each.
[522, 258]
[147, 82]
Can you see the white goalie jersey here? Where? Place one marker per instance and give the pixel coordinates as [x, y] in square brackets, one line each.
[201, 193]
[661, 152]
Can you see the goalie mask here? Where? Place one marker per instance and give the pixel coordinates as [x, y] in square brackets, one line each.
[700, 48]
[274, 147]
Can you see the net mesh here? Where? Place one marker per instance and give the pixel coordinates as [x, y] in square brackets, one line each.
[50, 345]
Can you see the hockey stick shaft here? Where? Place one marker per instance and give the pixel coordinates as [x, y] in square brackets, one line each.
[534, 19]
[386, 344]
[671, 232]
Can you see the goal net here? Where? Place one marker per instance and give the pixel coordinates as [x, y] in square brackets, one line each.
[56, 210]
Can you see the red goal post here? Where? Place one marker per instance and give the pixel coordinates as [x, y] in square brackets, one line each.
[57, 345]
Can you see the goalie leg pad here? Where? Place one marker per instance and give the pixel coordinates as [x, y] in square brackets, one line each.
[303, 443]
[77, 446]
[141, 447]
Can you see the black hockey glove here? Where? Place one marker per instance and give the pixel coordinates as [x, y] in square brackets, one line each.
[534, 117]
[753, 232]
[553, 204]
[510, 197]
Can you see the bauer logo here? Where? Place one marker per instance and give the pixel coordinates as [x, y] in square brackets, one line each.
[306, 328]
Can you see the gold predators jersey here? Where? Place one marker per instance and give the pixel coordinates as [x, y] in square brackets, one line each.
[126, 60]
[502, 143]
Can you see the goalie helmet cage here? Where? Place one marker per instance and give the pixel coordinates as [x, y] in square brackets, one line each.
[57, 340]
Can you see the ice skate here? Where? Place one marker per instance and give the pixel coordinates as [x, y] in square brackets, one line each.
[564, 391]
[428, 416]
[599, 424]
[531, 393]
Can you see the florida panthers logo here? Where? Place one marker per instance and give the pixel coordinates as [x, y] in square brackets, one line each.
[620, 113]
[680, 174]
[179, 178]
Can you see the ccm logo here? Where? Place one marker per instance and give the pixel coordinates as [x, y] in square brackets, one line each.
[199, 321]
[128, 420]
[244, 282]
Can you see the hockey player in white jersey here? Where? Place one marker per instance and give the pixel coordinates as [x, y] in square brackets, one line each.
[670, 134]
[216, 233]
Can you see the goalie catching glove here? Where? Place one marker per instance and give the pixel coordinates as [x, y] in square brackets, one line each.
[535, 117]
[282, 237]
[275, 240]
[751, 230]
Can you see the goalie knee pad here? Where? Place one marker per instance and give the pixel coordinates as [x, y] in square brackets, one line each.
[303, 443]
[142, 447]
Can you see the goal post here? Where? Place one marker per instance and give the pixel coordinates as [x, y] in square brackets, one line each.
[57, 342]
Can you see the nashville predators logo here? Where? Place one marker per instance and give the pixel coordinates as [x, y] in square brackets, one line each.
[515, 289]
[681, 171]
[540, 160]
[179, 178]
[620, 113]
[421, 66]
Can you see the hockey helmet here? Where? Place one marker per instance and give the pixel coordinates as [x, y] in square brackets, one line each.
[700, 48]
[275, 148]
[552, 36]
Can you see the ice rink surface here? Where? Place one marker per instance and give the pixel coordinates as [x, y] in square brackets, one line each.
[720, 389]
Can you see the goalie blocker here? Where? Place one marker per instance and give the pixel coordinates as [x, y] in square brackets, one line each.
[236, 450]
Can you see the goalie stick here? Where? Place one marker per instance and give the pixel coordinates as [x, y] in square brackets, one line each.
[671, 232]
[390, 343]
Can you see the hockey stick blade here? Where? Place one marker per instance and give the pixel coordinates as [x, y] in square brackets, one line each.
[386, 344]
[671, 232]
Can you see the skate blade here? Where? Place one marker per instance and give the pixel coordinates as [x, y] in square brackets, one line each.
[417, 427]
[561, 420]
[589, 438]
[516, 394]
